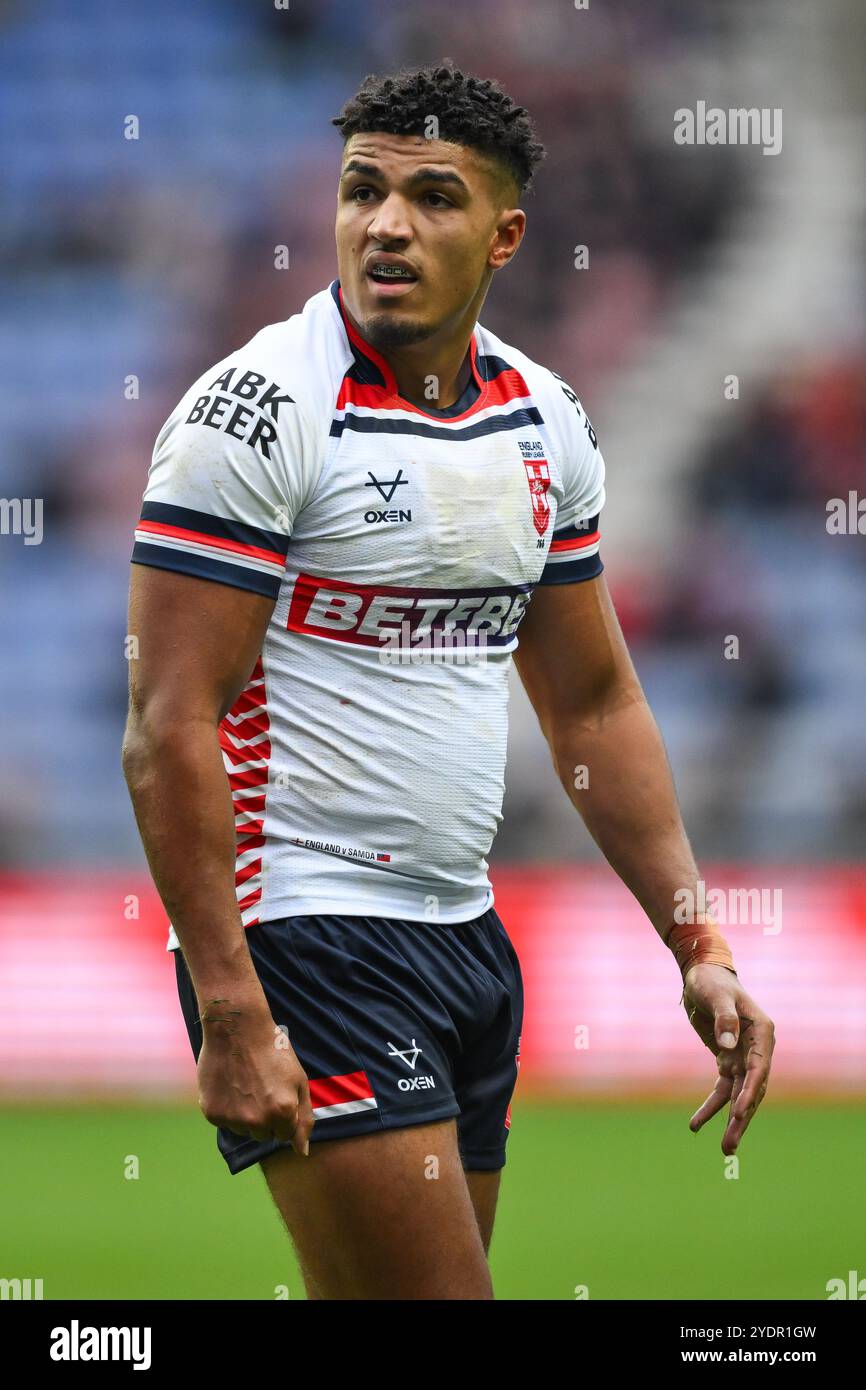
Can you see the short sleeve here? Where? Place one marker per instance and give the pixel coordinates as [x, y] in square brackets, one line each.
[229, 474]
[574, 547]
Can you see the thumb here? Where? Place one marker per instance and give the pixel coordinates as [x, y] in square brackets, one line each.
[727, 1025]
[306, 1120]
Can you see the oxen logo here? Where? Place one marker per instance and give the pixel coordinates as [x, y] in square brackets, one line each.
[409, 1056]
[387, 486]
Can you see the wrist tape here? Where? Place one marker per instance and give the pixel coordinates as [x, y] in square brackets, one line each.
[699, 945]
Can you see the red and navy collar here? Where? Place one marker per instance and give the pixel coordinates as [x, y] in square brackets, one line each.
[371, 368]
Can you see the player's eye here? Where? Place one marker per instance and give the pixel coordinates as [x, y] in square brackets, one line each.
[360, 188]
[443, 201]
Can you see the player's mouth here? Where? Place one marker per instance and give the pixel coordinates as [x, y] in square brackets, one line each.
[388, 275]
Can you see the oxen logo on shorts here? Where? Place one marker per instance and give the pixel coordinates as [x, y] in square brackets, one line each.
[404, 1056]
[410, 1057]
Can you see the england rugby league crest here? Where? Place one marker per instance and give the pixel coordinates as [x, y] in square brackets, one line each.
[538, 477]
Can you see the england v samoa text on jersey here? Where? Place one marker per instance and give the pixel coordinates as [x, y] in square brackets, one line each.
[401, 545]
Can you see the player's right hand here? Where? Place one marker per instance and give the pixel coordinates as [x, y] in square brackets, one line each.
[251, 1082]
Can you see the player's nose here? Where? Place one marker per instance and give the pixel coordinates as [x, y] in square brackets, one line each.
[390, 222]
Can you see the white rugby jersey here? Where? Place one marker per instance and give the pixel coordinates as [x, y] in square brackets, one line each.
[401, 545]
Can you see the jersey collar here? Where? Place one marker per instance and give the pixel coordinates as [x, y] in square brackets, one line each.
[374, 369]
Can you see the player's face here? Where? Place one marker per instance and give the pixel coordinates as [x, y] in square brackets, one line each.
[421, 227]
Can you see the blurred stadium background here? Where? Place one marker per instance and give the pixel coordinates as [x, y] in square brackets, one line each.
[150, 259]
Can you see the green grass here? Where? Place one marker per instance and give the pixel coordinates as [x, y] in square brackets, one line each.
[619, 1197]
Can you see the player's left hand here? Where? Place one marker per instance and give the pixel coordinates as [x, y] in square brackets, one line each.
[742, 1038]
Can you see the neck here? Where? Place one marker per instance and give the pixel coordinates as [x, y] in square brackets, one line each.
[430, 378]
[433, 372]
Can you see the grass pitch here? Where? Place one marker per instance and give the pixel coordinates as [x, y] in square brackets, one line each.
[618, 1197]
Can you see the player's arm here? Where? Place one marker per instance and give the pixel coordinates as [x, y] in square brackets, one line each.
[604, 741]
[232, 468]
[610, 758]
[197, 642]
[581, 681]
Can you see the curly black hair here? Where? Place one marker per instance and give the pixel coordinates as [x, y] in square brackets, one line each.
[472, 111]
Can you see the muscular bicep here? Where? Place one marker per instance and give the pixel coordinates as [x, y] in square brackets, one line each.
[572, 657]
[195, 643]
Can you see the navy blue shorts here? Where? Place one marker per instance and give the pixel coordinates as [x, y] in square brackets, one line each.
[395, 1023]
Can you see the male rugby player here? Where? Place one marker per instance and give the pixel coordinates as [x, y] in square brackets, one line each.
[346, 524]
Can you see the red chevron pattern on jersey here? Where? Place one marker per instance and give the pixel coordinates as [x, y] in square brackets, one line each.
[244, 737]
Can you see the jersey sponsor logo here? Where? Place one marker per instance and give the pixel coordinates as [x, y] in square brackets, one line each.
[248, 408]
[368, 615]
[394, 514]
[389, 486]
[386, 489]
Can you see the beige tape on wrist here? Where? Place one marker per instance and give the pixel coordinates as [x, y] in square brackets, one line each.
[699, 945]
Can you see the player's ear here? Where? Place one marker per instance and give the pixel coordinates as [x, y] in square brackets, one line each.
[510, 229]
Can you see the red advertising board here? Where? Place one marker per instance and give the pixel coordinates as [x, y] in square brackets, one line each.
[88, 1004]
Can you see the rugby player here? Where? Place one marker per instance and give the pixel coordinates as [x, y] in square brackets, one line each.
[346, 523]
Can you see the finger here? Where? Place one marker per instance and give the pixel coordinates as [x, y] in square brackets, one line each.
[714, 1102]
[743, 1110]
[262, 1133]
[293, 1124]
[306, 1120]
[734, 1131]
[726, 1026]
[290, 1127]
[731, 1136]
[284, 1130]
[747, 1103]
[758, 1036]
[737, 1126]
